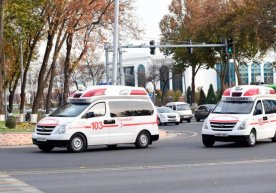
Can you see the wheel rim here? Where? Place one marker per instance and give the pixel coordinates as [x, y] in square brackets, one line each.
[252, 138]
[143, 139]
[77, 143]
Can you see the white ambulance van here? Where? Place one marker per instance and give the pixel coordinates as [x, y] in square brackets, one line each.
[101, 115]
[244, 114]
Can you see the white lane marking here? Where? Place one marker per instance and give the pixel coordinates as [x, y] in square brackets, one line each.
[142, 167]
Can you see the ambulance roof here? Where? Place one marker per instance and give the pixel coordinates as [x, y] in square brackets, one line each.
[247, 93]
[91, 93]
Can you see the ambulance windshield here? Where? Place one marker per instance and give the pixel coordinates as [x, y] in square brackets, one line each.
[70, 110]
[234, 107]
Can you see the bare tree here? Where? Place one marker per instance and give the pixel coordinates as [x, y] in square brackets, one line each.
[1, 56]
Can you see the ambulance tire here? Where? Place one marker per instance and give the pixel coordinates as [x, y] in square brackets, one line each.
[77, 143]
[251, 140]
[46, 148]
[207, 142]
[274, 138]
[142, 140]
[188, 120]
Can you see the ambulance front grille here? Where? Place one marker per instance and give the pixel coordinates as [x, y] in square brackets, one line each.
[44, 130]
[222, 126]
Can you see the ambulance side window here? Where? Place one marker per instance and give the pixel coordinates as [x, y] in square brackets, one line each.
[269, 106]
[120, 109]
[258, 108]
[97, 110]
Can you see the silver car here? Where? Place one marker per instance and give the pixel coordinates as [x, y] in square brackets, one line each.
[167, 115]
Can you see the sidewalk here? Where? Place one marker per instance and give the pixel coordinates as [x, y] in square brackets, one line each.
[25, 139]
[12, 185]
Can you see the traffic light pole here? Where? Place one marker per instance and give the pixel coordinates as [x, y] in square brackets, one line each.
[153, 45]
[203, 45]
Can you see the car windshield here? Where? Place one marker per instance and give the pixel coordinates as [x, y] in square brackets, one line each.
[234, 107]
[70, 110]
[165, 110]
[183, 107]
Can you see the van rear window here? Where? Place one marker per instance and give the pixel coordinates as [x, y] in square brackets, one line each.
[127, 109]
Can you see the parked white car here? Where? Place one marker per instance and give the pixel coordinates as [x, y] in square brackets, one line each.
[184, 110]
[167, 115]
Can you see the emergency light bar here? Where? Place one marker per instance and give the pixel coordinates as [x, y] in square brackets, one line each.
[245, 92]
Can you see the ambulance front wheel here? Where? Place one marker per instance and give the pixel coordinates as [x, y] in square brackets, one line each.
[251, 140]
[143, 140]
[77, 143]
[207, 142]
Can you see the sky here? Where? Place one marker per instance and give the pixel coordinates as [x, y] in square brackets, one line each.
[150, 13]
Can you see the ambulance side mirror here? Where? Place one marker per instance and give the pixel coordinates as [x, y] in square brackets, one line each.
[90, 115]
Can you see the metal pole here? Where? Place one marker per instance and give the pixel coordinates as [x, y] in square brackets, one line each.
[121, 67]
[21, 73]
[106, 66]
[115, 44]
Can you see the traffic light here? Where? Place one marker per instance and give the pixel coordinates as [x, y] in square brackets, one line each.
[152, 49]
[229, 46]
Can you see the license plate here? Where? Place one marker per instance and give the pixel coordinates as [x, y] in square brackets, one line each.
[41, 139]
[172, 119]
[221, 135]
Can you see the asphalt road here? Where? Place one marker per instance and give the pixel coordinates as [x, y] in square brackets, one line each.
[178, 163]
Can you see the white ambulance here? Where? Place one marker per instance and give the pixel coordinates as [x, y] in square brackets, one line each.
[101, 115]
[244, 114]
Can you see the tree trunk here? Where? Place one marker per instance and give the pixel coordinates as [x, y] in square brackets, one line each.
[50, 88]
[1, 56]
[53, 67]
[67, 66]
[236, 66]
[193, 83]
[26, 69]
[12, 89]
[41, 81]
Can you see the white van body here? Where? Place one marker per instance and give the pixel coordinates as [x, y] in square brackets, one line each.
[245, 114]
[101, 115]
[184, 110]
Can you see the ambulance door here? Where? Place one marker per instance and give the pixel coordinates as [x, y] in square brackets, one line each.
[123, 129]
[94, 122]
[260, 120]
[270, 107]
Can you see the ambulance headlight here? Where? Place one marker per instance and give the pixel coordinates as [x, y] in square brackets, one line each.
[205, 126]
[242, 125]
[61, 129]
